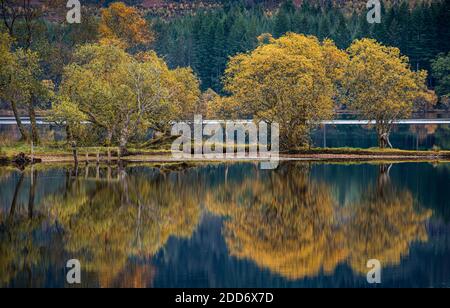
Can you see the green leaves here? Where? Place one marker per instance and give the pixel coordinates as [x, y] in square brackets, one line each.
[441, 71]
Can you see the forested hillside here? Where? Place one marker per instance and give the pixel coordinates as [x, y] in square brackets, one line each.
[205, 40]
[204, 34]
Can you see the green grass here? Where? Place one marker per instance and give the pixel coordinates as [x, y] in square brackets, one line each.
[368, 151]
[62, 149]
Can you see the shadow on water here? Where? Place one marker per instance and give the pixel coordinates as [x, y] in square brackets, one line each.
[223, 225]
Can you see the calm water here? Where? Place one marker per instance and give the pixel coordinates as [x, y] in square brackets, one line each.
[407, 137]
[304, 225]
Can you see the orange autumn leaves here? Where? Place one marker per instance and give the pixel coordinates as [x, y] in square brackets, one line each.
[123, 26]
[298, 230]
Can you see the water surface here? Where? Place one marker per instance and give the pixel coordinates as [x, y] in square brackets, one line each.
[226, 225]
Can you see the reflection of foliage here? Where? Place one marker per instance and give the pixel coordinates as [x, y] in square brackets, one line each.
[19, 250]
[382, 227]
[443, 137]
[291, 225]
[284, 223]
[132, 218]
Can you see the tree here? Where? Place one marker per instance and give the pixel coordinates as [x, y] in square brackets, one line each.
[21, 83]
[186, 93]
[441, 71]
[124, 25]
[381, 86]
[125, 94]
[8, 87]
[291, 81]
[67, 114]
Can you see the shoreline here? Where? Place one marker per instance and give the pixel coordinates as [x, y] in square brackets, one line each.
[315, 155]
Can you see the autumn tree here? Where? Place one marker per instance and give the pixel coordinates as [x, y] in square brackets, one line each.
[125, 94]
[22, 84]
[8, 82]
[290, 80]
[67, 114]
[381, 86]
[124, 25]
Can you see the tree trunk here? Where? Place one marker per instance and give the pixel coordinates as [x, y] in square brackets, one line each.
[123, 146]
[23, 132]
[74, 152]
[381, 142]
[34, 129]
[109, 135]
[123, 141]
[69, 135]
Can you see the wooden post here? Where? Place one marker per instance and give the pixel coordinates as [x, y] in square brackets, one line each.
[75, 154]
[98, 157]
[109, 155]
[87, 158]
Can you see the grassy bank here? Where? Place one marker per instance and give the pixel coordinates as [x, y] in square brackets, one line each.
[63, 153]
[368, 152]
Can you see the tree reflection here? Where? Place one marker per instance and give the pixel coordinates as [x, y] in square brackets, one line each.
[134, 217]
[19, 251]
[383, 224]
[285, 222]
[290, 223]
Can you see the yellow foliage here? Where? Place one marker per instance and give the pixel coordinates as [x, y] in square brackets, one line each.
[136, 217]
[284, 223]
[293, 226]
[123, 25]
[380, 84]
[382, 226]
[290, 80]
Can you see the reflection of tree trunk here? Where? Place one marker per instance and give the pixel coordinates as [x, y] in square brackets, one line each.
[16, 194]
[383, 181]
[226, 174]
[32, 193]
[34, 130]
[23, 131]
[122, 175]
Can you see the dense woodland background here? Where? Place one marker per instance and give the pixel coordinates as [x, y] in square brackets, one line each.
[204, 34]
